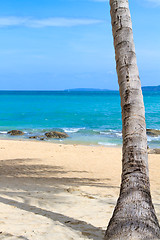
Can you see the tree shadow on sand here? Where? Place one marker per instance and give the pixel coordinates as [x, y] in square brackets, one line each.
[86, 229]
[23, 169]
[21, 176]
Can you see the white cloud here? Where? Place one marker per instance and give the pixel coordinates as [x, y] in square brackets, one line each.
[47, 22]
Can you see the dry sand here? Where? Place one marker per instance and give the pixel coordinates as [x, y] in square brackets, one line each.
[68, 192]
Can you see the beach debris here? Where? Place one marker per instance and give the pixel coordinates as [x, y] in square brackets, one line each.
[153, 132]
[55, 134]
[154, 151]
[15, 133]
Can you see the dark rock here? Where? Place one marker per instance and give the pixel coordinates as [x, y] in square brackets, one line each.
[42, 139]
[41, 136]
[15, 132]
[38, 137]
[154, 151]
[33, 137]
[153, 132]
[55, 134]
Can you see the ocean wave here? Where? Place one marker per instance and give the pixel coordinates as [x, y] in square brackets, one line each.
[105, 133]
[107, 144]
[150, 139]
[3, 132]
[111, 132]
[119, 134]
[72, 130]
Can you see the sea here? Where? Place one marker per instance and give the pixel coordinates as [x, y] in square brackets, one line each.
[90, 118]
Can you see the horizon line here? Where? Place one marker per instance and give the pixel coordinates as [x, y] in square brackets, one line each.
[70, 89]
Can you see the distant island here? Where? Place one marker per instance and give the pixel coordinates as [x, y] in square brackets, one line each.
[87, 90]
[151, 88]
[146, 88]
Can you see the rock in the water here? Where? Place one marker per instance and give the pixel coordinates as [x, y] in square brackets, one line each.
[33, 137]
[153, 132]
[154, 151]
[55, 134]
[42, 137]
[15, 132]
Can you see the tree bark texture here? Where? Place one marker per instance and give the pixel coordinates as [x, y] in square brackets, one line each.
[134, 215]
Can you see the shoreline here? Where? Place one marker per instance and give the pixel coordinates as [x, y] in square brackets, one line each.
[82, 136]
[59, 142]
[71, 141]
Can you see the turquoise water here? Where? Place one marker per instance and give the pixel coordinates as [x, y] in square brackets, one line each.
[87, 117]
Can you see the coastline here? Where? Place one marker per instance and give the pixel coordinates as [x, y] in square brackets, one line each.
[59, 142]
[80, 136]
[95, 137]
[52, 191]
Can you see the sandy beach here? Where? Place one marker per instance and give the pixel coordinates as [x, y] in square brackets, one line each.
[55, 191]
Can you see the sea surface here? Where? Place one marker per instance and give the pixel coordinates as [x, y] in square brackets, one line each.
[92, 118]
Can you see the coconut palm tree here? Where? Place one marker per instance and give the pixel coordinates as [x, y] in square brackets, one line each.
[134, 215]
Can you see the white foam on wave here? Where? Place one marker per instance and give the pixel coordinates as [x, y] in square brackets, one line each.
[110, 132]
[3, 132]
[119, 134]
[72, 130]
[150, 139]
[107, 144]
[105, 133]
[95, 131]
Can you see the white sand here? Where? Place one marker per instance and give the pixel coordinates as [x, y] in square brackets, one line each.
[52, 191]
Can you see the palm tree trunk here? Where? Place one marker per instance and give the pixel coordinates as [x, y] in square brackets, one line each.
[134, 215]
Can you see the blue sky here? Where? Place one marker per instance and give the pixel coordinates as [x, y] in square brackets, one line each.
[61, 44]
